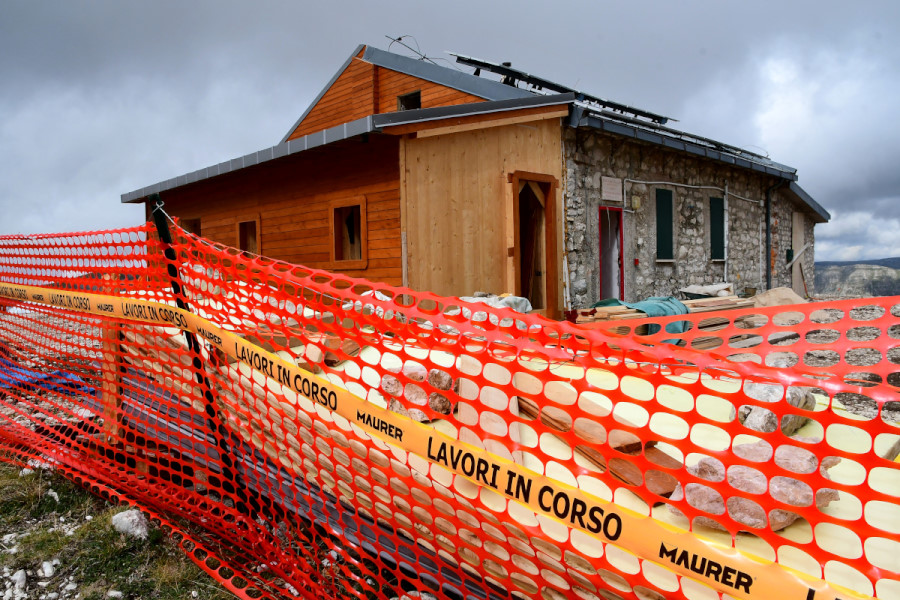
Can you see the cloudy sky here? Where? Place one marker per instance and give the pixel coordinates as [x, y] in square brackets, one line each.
[104, 97]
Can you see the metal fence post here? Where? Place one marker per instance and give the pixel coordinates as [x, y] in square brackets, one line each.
[231, 480]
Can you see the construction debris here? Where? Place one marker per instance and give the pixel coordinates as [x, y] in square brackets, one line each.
[618, 313]
[781, 296]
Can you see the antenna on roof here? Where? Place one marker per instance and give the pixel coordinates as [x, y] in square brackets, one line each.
[418, 52]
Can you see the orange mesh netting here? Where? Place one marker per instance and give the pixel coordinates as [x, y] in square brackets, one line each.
[310, 434]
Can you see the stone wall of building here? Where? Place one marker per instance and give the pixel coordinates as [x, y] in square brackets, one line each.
[591, 155]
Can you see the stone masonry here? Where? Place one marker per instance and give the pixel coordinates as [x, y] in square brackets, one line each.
[591, 155]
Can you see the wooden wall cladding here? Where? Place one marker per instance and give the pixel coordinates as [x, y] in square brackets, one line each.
[292, 198]
[459, 203]
[364, 89]
[392, 84]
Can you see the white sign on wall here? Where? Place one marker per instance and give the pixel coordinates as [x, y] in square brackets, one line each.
[611, 189]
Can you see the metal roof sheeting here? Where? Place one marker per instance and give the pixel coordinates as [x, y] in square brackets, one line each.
[372, 123]
[313, 140]
[685, 142]
[815, 207]
[446, 76]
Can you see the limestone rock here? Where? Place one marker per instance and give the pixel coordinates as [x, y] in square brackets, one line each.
[796, 460]
[710, 469]
[760, 419]
[803, 398]
[764, 420]
[747, 479]
[391, 385]
[751, 481]
[758, 451]
[413, 413]
[439, 403]
[440, 379]
[415, 371]
[131, 522]
[414, 394]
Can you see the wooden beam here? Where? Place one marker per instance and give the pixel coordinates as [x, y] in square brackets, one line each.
[472, 122]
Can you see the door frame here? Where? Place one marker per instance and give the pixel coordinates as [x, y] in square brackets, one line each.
[621, 261]
[551, 280]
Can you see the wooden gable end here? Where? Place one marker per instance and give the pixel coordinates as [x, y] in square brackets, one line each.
[392, 84]
[364, 89]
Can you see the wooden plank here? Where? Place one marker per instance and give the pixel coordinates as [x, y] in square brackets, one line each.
[526, 118]
[472, 122]
[458, 199]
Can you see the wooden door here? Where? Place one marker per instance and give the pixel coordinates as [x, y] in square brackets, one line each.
[798, 243]
[534, 246]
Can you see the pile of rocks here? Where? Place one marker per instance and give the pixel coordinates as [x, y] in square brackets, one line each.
[748, 480]
[415, 395]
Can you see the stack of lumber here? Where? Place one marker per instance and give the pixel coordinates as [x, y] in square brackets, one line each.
[701, 305]
[597, 317]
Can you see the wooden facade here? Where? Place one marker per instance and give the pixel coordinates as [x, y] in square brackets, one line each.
[365, 89]
[292, 201]
[438, 199]
[459, 192]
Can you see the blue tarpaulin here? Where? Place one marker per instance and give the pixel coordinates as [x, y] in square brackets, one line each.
[655, 306]
[16, 377]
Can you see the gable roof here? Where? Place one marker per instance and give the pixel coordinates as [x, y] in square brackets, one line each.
[585, 111]
[420, 69]
[327, 87]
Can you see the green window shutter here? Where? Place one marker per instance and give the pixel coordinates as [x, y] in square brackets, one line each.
[665, 249]
[717, 228]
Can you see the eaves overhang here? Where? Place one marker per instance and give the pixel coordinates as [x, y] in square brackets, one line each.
[295, 146]
[684, 142]
[370, 124]
[423, 115]
[822, 215]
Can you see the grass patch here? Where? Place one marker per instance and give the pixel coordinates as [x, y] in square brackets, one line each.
[46, 518]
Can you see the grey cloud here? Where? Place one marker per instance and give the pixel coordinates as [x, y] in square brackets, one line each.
[105, 97]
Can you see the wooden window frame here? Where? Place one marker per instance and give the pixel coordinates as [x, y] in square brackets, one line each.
[237, 232]
[407, 95]
[182, 221]
[349, 265]
[551, 293]
[661, 224]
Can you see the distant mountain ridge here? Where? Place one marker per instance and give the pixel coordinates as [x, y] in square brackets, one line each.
[876, 277]
[893, 263]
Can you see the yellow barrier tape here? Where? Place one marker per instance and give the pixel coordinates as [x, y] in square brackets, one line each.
[724, 569]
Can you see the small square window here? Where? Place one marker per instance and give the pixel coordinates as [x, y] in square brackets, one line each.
[190, 225]
[411, 101]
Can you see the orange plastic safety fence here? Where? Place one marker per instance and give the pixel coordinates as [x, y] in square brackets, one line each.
[323, 435]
